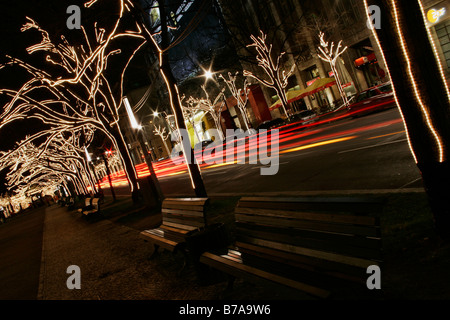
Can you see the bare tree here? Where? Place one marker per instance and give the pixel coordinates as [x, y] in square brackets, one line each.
[241, 95]
[277, 76]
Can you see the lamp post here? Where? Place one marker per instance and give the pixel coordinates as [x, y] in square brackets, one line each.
[108, 172]
[139, 134]
[89, 164]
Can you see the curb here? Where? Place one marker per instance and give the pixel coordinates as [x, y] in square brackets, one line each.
[40, 294]
[312, 193]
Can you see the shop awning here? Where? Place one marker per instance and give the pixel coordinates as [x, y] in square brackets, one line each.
[294, 95]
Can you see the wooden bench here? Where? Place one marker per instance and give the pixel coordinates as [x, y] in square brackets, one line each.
[93, 208]
[180, 218]
[307, 244]
[87, 205]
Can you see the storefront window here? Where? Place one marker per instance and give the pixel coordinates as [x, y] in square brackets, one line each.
[443, 34]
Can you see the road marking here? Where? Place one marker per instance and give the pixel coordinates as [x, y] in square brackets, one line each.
[173, 174]
[222, 164]
[319, 144]
[386, 135]
[374, 146]
[259, 167]
[214, 173]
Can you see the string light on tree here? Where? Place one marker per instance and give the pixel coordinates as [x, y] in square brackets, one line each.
[241, 95]
[330, 54]
[278, 78]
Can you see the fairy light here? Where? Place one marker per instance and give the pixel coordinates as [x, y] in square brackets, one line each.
[436, 53]
[95, 104]
[241, 94]
[415, 86]
[57, 159]
[393, 86]
[161, 132]
[97, 107]
[208, 106]
[330, 56]
[278, 77]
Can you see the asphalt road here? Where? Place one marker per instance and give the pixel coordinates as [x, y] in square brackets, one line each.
[366, 153]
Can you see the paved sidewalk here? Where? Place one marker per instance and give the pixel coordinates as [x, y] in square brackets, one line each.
[113, 262]
[115, 266]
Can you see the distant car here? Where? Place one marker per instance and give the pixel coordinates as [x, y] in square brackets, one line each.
[377, 98]
[305, 117]
[271, 124]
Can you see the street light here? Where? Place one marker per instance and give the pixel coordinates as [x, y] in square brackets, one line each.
[91, 166]
[139, 133]
[133, 122]
[208, 74]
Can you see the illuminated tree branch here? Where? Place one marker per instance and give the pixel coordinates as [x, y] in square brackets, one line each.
[330, 54]
[241, 95]
[278, 78]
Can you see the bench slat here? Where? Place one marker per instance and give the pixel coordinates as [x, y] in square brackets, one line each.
[336, 218]
[183, 207]
[174, 230]
[185, 221]
[291, 234]
[182, 212]
[352, 261]
[162, 242]
[310, 225]
[320, 274]
[358, 205]
[311, 264]
[181, 226]
[186, 201]
[304, 240]
[344, 244]
[239, 269]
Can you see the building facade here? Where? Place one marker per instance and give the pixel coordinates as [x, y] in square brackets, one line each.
[437, 13]
[293, 27]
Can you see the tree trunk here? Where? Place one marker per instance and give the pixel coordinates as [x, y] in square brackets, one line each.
[284, 102]
[171, 84]
[155, 186]
[422, 98]
[130, 170]
[194, 170]
[108, 172]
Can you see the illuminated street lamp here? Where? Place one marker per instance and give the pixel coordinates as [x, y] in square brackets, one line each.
[208, 74]
[139, 132]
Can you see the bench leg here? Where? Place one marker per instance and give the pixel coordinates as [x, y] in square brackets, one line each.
[155, 251]
[185, 261]
[230, 285]
[228, 290]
